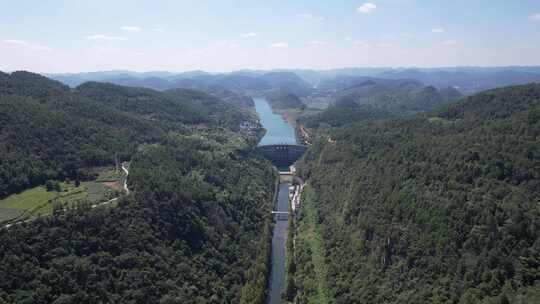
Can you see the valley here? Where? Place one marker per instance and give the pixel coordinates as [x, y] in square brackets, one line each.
[278, 131]
[415, 210]
[198, 205]
[399, 182]
[270, 152]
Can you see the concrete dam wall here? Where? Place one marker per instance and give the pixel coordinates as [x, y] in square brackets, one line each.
[282, 155]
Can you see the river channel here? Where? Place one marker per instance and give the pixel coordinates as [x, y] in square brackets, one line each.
[278, 131]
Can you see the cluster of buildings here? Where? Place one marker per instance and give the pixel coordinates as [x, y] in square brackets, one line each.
[294, 196]
[249, 127]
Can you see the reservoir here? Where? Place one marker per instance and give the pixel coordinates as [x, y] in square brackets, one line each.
[278, 131]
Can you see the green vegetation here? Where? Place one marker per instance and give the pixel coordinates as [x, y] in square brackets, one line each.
[98, 192]
[310, 275]
[41, 201]
[399, 96]
[339, 116]
[33, 201]
[28, 199]
[51, 133]
[441, 207]
[255, 289]
[281, 99]
[436, 208]
[289, 291]
[195, 228]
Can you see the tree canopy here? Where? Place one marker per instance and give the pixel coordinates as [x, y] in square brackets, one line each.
[195, 228]
[441, 207]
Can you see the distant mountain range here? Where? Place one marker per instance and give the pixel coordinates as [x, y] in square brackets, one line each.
[467, 80]
[234, 87]
[195, 79]
[393, 95]
[391, 89]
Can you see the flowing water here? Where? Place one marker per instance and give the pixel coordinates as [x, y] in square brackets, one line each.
[278, 131]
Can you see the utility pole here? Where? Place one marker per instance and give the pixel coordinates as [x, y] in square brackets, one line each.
[116, 162]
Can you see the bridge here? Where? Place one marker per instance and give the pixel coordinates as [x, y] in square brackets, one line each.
[282, 155]
[279, 216]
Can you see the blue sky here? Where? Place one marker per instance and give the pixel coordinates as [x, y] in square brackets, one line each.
[225, 35]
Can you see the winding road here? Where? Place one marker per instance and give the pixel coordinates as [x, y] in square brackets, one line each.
[125, 180]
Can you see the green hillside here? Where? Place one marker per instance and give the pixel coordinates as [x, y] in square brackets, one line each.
[437, 208]
[400, 96]
[195, 228]
[282, 99]
[50, 132]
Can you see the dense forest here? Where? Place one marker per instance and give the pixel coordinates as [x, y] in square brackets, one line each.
[438, 207]
[441, 207]
[335, 116]
[48, 131]
[402, 95]
[195, 228]
[282, 99]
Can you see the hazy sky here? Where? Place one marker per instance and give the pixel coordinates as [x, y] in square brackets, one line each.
[224, 35]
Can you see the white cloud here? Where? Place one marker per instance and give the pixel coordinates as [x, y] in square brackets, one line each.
[407, 36]
[384, 45]
[105, 49]
[131, 28]
[363, 44]
[250, 35]
[535, 17]
[317, 42]
[40, 48]
[22, 43]
[449, 42]
[437, 30]
[16, 42]
[308, 16]
[105, 37]
[366, 8]
[348, 39]
[279, 45]
[158, 30]
[227, 44]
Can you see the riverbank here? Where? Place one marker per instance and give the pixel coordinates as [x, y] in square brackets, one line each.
[291, 116]
[278, 131]
[277, 274]
[306, 257]
[255, 290]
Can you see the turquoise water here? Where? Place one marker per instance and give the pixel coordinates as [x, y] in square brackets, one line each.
[278, 131]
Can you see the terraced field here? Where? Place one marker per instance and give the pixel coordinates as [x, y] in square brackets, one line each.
[39, 201]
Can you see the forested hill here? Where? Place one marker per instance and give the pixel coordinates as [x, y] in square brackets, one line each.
[194, 228]
[50, 132]
[281, 99]
[402, 96]
[29, 84]
[184, 106]
[438, 208]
